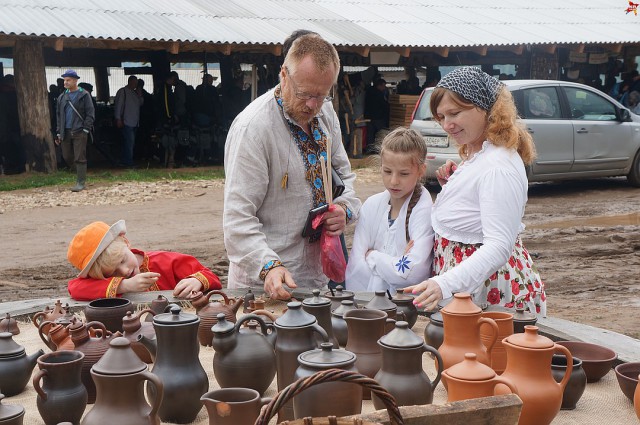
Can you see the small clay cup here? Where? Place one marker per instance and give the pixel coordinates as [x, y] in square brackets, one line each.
[627, 376]
[577, 380]
[109, 312]
[233, 406]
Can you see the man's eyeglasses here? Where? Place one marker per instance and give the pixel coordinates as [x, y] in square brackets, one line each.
[307, 96]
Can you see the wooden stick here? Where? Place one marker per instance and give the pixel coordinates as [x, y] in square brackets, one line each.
[327, 191]
[329, 174]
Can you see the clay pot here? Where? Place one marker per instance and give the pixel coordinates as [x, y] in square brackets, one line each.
[401, 373]
[9, 324]
[320, 307]
[626, 375]
[61, 395]
[133, 327]
[636, 399]
[461, 322]
[472, 379]
[177, 365]
[505, 328]
[529, 358]
[58, 337]
[297, 331]
[66, 318]
[338, 295]
[597, 360]
[404, 303]
[10, 414]
[247, 306]
[233, 406]
[158, 305]
[93, 349]
[338, 324]
[328, 398]
[119, 378]
[434, 331]
[208, 312]
[109, 312]
[244, 357]
[522, 318]
[15, 365]
[577, 380]
[380, 301]
[365, 328]
[50, 314]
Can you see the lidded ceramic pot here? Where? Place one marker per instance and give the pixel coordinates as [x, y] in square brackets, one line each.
[9, 324]
[404, 303]
[208, 312]
[401, 372]
[320, 307]
[50, 314]
[15, 365]
[338, 295]
[338, 325]
[381, 302]
[119, 378]
[133, 327]
[522, 318]
[528, 367]
[65, 319]
[472, 379]
[158, 305]
[58, 337]
[247, 299]
[327, 398]
[10, 414]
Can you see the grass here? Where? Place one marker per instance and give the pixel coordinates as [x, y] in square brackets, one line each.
[35, 180]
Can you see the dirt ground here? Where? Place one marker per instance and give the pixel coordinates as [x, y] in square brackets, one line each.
[584, 236]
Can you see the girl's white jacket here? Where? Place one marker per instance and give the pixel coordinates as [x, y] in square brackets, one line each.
[387, 266]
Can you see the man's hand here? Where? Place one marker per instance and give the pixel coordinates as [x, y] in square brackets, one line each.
[431, 294]
[119, 123]
[444, 171]
[138, 283]
[274, 281]
[335, 221]
[57, 140]
[185, 286]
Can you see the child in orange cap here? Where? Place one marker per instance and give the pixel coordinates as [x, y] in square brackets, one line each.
[109, 267]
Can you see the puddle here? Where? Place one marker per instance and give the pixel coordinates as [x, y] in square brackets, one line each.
[598, 221]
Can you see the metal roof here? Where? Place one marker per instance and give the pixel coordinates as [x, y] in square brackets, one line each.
[400, 23]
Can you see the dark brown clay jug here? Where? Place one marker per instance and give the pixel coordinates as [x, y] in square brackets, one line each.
[461, 321]
[297, 331]
[320, 307]
[9, 324]
[328, 398]
[522, 318]
[109, 312]
[472, 379]
[15, 365]
[208, 312]
[404, 303]
[61, 395]
[133, 327]
[380, 301]
[120, 376]
[177, 365]
[529, 358]
[338, 324]
[577, 380]
[11, 414]
[93, 349]
[401, 373]
[434, 331]
[338, 295]
[243, 359]
[50, 314]
[57, 338]
[158, 305]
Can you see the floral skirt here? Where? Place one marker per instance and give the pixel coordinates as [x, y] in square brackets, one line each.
[516, 283]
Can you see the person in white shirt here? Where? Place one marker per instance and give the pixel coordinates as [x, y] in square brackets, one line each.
[477, 217]
[393, 241]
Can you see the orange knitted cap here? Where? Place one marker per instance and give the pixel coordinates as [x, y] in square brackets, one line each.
[87, 245]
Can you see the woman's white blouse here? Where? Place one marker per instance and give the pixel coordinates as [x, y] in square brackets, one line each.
[483, 202]
[387, 267]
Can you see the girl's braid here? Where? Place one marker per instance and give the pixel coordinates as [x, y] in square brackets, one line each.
[415, 197]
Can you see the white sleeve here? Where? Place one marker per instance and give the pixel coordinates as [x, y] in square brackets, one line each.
[403, 270]
[358, 275]
[501, 207]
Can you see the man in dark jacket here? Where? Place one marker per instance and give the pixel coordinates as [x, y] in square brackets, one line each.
[75, 117]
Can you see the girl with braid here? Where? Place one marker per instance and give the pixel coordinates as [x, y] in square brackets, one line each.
[393, 241]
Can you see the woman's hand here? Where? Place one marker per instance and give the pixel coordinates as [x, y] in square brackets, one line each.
[138, 283]
[185, 286]
[430, 294]
[444, 171]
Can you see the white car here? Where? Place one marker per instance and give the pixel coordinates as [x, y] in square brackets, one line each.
[578, 132]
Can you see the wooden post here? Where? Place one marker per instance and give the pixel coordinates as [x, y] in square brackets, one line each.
[33, 106]
[102, 83]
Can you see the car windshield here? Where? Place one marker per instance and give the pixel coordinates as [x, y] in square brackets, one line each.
[423, 112]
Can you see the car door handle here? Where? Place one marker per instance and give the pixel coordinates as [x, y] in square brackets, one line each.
[582, 131]
[530, 130]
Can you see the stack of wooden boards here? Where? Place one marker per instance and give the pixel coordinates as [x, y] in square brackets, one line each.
[400, 109]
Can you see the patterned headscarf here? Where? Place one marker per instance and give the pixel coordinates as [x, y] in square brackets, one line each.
[474, 85]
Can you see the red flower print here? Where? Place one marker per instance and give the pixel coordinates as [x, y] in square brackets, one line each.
[494, 296]
[519, 263]
[507, 276]
[528, 265]
[529, 287]
[537, 309]
[435, 244]
[441, 262]
[469, 251]
[525, 253]
[543, 296]
[527, 297]
[444, 243]
[509, 305]
[536, 284]
[515, 287]
[512, 261]
[457, 253]
[494, 276]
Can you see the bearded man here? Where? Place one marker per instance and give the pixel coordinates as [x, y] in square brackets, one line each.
[274, 177]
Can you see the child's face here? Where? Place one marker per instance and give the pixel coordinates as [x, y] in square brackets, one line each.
[127, 267]
[400, 174]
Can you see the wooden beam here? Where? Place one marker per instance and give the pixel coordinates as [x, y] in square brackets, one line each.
[549, 48]
[480, 50]
[404, 52]
[616, 48]
[174, 48]
[517, 49]
[360, 50]
[442, 51]
[225, 49]
[58, 45]
[578, 48]
[275, 50]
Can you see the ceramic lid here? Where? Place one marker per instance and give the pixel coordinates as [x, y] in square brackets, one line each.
[530, 339]
[130, 321]
[249, 296]
[316, 300]
[381, 302]
[339, 293]
[345, 305]
[161, 300]
[436, 317]
[8, 347]
[402, 297]
[327, 357]
[120, 359]
[401, 337]
[462, 304]
[175, 317]
[524, 316]
[470, 369]
[9, 411]
[295, 316]
[223, 326]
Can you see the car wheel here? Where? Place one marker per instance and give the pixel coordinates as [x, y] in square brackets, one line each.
[634, 173]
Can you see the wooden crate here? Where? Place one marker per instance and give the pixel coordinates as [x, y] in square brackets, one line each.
[401, 108]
